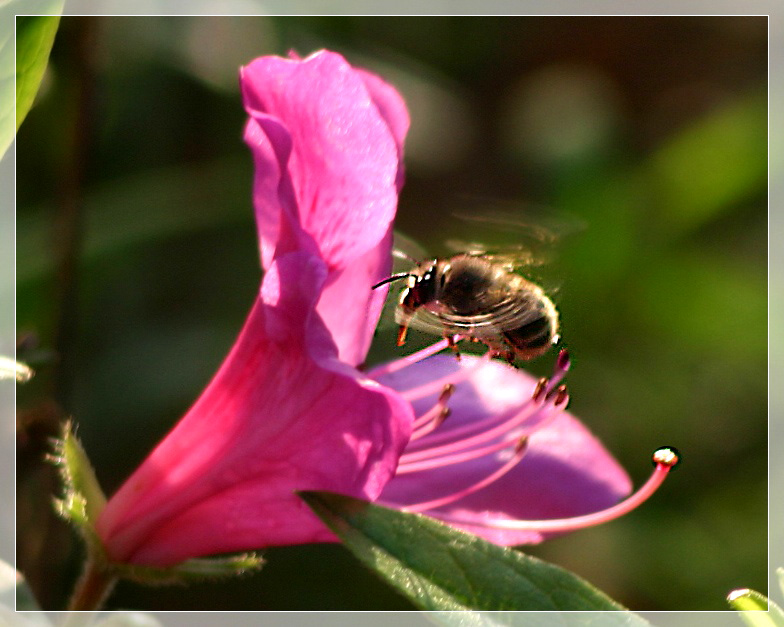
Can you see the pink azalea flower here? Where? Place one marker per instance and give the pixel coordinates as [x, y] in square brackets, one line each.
[289, 410]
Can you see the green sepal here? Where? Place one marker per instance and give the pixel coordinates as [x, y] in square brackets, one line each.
[191, 571]
[755, 608]
[83, 498]
[82, 503]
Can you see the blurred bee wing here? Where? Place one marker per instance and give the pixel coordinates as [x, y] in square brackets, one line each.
[536, 223]
[512, 258]
[513, 235]
[406, 253]
[506, 316]
[386, 320]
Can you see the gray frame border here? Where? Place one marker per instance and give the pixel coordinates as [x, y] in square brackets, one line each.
[773, 9]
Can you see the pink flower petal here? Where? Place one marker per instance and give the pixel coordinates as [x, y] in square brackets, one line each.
[348, 305]
[327, 141]
[281, 414]
[343, 160]
[393, 109]
[565, 472]
[273, 195]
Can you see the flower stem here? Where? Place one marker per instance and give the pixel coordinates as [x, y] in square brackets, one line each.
[93, 587]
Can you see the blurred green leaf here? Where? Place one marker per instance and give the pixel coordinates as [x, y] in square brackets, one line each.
[34, 38]
[14, 590]
[441, 568]
[142, 208]
[756, 609]
[712, 165]
[704, 302]
[780, 575]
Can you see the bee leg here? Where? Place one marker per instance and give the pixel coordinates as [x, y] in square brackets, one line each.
[509, 356]
[404, 319]
[401, 334]
[503, 350]
[450, 340]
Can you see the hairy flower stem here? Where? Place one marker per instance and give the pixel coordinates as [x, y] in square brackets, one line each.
[93, 587]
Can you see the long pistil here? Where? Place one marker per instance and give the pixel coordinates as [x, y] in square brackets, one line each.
[665, 459]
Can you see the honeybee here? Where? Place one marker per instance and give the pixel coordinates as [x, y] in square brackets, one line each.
[479, 297]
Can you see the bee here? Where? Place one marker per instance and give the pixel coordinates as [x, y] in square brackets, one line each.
[478, 297]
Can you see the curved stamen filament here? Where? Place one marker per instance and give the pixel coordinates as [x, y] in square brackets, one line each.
[665, 459]
[562, 365]
[472, 428]
[428, 463]
[509, 421]
[436, 409]
[519, 453]
[434, 417]
[451, 378]
[404, 362]
[544, 391]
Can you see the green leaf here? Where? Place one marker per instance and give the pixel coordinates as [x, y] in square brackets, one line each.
[34, 38]
[140, 208]
[440, 568]
[756, 609]
[701, 283]
[713, 165]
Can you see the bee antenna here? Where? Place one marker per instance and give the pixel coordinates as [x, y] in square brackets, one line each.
[394, 277]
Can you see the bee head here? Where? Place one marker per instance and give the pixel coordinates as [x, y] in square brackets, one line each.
[422, 286]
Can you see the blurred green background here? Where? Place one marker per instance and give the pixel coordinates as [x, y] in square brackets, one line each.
[137, 262]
